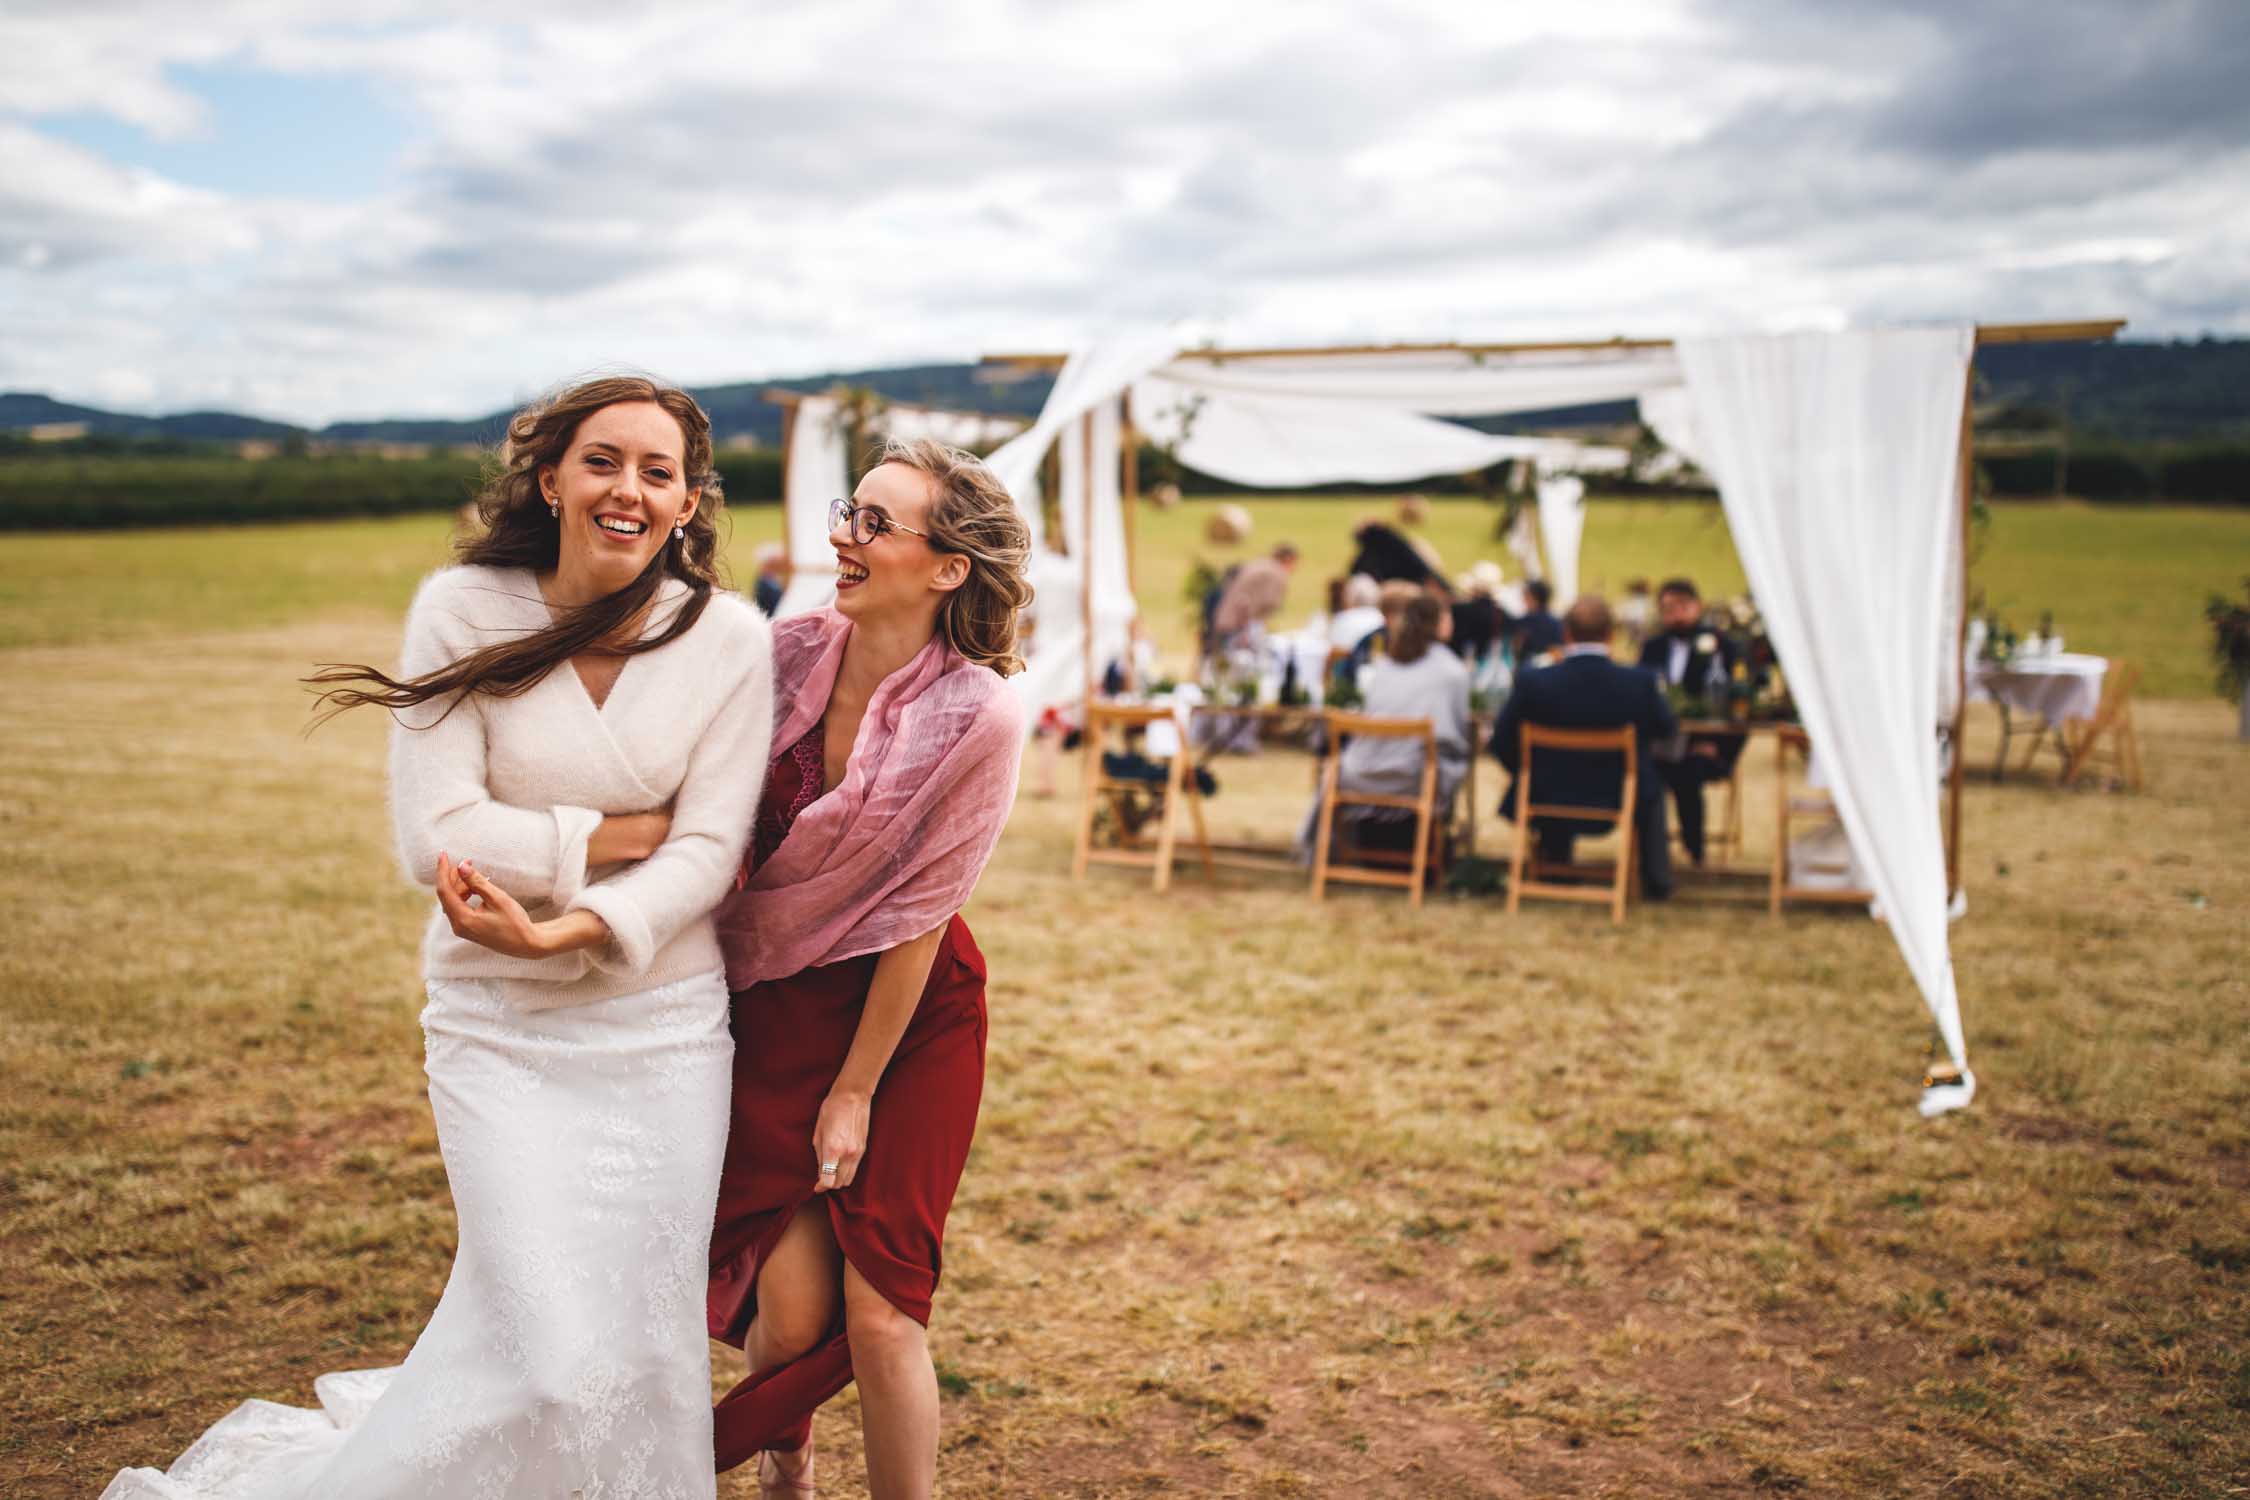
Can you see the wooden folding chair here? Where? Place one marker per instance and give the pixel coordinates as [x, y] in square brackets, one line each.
[1523, 870]
[1802, 802]
[1102, 720]
[1423, 805]
[2108, 738]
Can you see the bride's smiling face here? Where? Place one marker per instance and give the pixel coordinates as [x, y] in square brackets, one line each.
[621, 488]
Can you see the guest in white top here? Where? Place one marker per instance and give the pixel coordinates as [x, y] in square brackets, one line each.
[1417, 677]
[1360, 614]
[582, 724]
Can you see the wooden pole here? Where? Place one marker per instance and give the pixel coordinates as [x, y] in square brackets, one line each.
[788, 441]
[1129, 487]
[1086, 546]
[1129, 446]
[1967, 470]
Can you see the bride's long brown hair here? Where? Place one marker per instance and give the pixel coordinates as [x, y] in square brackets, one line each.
[515, 531]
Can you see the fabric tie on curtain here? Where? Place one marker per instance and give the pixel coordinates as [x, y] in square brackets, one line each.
[1836, 457]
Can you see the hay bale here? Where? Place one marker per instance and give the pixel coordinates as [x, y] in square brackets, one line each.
[1165, 495]
[1229, 526]
[1413, 510]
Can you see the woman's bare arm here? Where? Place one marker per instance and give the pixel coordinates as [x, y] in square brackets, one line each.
[840, 1134]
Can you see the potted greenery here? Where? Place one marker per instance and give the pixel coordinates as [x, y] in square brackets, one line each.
[2230, 649]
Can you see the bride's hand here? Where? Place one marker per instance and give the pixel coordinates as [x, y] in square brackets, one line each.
[500, 924]
[839, 1136]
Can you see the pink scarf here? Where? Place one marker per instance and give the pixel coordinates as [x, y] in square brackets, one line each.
[897, 847]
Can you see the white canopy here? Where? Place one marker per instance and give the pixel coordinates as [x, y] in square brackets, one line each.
[1835, 458]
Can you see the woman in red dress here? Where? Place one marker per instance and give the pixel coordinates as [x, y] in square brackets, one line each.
[859, 1016]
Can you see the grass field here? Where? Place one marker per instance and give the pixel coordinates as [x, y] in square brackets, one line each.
[2123, 582]
[1268, 1199]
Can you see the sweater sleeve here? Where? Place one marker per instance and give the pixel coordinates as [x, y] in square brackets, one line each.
[438, 798]
[647, 905]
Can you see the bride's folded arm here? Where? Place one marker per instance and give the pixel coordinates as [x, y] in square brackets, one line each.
[439, 800]
[646, 906]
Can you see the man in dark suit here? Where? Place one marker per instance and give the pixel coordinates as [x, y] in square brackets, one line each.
[1686, 655]
[1538, 632]
[1587, 690]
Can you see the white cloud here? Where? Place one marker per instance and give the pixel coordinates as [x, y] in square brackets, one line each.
[717, 194]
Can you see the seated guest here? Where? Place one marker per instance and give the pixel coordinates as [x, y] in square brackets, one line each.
[1539, 632]
[1479, 623]
[1359, 614]
[1587, 690]
[1412, 678]
[1254, 593]
[773, 577]
[1698, 661]
[1391, 598]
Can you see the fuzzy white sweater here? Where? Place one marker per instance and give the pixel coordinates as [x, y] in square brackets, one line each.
[520, 784]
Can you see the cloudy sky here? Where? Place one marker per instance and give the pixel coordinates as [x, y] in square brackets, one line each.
[317, 211]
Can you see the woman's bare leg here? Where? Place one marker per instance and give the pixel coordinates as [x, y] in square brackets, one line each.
[797, 1290]
[898, 1397]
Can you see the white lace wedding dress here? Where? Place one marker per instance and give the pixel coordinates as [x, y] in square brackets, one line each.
[567, 1358]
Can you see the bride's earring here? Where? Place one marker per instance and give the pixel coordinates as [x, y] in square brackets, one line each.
[679, 533]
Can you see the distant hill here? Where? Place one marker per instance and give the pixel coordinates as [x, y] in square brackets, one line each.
[21, 409]
[2130, 392]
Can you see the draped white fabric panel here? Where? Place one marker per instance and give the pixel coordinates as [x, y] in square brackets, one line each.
[1670, 413]
[819, 471]
[1835, 456]
[1562, 524]
[1091, 376]
[1091, 380]
[1281, 441]
[1094, 524]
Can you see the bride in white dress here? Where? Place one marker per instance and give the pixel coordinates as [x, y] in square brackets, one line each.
[583, 722]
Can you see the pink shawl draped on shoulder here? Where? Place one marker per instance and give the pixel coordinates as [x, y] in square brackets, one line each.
[897, 847]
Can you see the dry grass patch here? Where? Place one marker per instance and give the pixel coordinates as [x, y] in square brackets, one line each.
[1269, 1199]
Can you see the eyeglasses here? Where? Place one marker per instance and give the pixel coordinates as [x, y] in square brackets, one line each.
[866, 522]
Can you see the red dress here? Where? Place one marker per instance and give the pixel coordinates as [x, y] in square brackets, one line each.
[791, 1036]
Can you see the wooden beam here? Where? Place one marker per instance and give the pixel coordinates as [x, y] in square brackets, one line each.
[2093, 329]
[1129, 490]
[788, 441]
[2090, 331]
[1129, 482]
[1086, 546]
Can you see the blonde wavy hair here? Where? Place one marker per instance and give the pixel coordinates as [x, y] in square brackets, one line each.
[972, 514]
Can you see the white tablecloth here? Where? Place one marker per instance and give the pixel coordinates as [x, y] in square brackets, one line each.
[2058, 688]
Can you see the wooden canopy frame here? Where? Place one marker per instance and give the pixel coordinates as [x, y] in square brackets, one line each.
[2087, 330]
